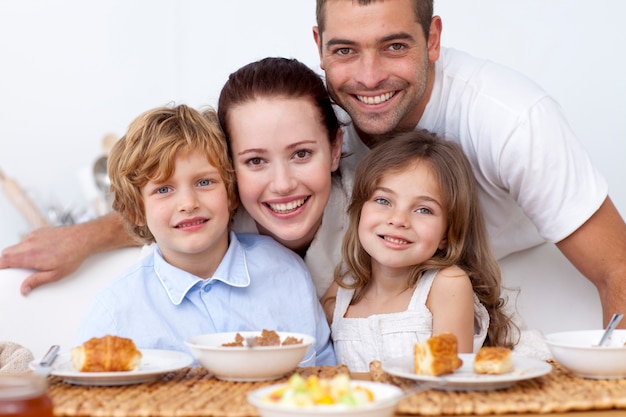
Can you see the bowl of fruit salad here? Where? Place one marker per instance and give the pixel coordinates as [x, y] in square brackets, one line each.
[337, 396]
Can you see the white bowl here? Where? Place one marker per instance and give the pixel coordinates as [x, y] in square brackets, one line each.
[578, 352]
[386, 397]
[258, 363]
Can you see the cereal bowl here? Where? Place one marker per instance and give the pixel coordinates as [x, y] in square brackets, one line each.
[578, 352]
[244, 363]
[383, 401]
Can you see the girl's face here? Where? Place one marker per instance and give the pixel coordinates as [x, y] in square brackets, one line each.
[189, 215]
[404, 222]
[283, 161]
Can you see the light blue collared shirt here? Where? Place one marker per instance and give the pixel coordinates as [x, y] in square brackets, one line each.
[258, 285]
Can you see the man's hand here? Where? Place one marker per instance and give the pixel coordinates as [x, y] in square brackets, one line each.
[56, 252]
[52, 251]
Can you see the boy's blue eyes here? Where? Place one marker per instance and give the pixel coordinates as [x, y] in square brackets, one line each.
[166, 189]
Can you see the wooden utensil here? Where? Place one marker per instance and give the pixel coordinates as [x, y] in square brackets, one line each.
[22, 202]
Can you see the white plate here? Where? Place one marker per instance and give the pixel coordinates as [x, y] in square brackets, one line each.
[154, 363]
[465, 379]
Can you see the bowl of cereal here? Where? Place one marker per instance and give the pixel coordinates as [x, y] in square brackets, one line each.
[250, 355]
[337, 396]
[578, 352]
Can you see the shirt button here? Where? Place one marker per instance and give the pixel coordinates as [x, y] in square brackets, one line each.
[207, 288]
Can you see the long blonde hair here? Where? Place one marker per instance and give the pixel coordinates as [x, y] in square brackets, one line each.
[467, 244]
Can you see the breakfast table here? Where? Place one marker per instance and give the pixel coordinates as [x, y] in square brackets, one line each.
[193, 392]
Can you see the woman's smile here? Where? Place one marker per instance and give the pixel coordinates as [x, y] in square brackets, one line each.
[287, 207]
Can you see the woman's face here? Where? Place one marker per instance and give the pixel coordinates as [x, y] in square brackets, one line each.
[283, 161]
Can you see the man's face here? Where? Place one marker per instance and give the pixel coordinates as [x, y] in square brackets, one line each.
[377, 63]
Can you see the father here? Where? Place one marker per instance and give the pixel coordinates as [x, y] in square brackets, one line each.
[384, 66]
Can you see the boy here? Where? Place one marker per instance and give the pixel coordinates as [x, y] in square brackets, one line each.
[173, 184]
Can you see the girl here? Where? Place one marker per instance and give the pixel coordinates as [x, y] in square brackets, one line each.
[285, 142]
[416, 257]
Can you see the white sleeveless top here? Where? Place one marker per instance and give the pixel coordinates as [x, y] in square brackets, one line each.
[358, 341]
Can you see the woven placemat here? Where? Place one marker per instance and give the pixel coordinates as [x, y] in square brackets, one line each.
[189, 392]
[557, 392]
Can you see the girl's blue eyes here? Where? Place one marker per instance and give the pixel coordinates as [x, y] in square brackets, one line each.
[382, 201]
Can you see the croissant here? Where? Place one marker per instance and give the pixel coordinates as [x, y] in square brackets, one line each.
[106, 354]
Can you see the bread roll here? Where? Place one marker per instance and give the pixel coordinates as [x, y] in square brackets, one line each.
[106, 354]
[437, 356]
[493, 360]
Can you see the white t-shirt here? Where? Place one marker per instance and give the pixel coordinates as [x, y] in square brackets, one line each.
[536, 182]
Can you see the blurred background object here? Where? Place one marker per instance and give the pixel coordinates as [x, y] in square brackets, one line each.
[22, 202]
[104, 199]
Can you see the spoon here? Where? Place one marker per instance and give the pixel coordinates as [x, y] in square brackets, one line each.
[617, 317]
[250, 342]
[100, 175]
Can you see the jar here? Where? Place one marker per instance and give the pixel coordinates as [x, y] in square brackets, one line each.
[25, 396]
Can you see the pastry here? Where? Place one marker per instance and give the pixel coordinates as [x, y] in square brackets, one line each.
[106, 354]
[437, 356]
[493, 360]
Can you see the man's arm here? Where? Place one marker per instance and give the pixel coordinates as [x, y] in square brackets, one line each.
[56, 252]
[598, 250]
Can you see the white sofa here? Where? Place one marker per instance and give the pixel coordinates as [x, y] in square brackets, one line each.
[51, 314]
[552, 296]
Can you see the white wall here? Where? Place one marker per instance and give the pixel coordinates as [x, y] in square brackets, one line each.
[72, 71]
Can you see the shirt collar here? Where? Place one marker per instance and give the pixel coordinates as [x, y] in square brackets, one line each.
[232, 270]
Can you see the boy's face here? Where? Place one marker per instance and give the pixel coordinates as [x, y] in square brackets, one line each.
[189, 215]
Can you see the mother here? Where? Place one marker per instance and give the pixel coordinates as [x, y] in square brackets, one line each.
[285, 141]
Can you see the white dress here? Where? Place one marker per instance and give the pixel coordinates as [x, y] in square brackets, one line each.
[358, 341]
